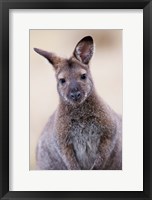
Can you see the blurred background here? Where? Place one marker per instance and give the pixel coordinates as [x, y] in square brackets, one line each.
[106, 67]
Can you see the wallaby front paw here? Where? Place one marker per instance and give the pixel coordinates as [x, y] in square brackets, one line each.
[74, 167]
[97, 163]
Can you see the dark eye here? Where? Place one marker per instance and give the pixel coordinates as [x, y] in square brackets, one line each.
[62, 80]
[83, 76]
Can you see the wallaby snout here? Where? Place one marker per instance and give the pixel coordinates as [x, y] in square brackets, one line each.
[75, 91]
[75, 95]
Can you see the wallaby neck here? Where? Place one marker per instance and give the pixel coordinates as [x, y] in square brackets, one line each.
[92, 108]
[91, 105]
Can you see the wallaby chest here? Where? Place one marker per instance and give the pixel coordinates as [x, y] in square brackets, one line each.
[85, 137]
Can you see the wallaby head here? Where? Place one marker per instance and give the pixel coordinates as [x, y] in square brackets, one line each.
[74, 82]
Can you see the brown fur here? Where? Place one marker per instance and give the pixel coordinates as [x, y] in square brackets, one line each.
[84, 132]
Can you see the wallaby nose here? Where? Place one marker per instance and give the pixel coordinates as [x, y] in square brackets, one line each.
[75, 95]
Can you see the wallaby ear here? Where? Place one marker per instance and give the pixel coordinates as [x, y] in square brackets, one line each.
[84, 49]
[51, 57]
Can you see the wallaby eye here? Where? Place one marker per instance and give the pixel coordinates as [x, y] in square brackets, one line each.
[83, 76]
[62, 80]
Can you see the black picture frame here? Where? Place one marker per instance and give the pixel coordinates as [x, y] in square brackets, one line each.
[5, 5]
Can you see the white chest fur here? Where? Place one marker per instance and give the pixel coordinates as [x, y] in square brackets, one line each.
[85, 137]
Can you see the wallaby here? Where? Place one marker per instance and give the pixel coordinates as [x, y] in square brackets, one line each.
[84, 133]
